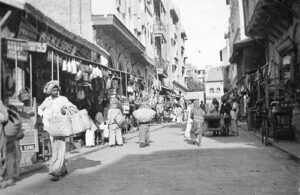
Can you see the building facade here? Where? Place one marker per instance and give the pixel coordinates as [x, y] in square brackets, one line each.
[277, 23]
[214, 84]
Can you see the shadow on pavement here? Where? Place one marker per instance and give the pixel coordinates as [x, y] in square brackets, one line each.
[209, 171]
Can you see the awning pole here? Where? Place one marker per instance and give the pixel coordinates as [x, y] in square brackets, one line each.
[30, 66]
[52, 67]
[57, 63]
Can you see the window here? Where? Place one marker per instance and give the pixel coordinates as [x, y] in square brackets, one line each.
[211, 90]
[218, 90]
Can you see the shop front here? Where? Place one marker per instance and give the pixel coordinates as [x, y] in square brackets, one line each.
[36, 50]
[282, 80]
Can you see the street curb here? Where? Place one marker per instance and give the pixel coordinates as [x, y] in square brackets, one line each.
[295, 157]
[35, 167]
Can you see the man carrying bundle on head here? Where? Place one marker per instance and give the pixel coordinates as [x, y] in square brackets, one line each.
[144, 115]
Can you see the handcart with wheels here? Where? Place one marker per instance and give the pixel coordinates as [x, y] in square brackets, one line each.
[214, 124]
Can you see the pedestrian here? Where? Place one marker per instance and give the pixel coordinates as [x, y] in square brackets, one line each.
[3, 121]
[189, 123]
[115, 132]
[213, 107]
[225, 112]
[198, 120]
[202, 105]
[179, 112]
[234, 116]
[144, 114]
[54, 106]
[14, 133]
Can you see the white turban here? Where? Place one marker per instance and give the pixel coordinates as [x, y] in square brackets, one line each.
[50, 85]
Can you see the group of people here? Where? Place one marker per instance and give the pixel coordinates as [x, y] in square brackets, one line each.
[196, 112]
[54, 106]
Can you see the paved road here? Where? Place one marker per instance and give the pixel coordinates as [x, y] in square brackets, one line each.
[222, 165]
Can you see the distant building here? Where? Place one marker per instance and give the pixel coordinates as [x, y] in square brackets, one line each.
[214, 84]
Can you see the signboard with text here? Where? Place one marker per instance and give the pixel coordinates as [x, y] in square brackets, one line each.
[15, 49]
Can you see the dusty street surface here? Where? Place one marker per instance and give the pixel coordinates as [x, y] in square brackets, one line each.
[222, 165]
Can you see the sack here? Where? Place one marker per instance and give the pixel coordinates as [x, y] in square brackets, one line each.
[120, 120]
[144, 115]
[74, 67]
[69, 66]
[60, 126]
[64, 66]
[80, 94]
[85, 119]
[13, 126]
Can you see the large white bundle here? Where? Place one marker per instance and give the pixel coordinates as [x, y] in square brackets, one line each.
[144, 115]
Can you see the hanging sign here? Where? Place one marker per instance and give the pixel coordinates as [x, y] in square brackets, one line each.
[36, 47]
[16, 49]
[27, 31]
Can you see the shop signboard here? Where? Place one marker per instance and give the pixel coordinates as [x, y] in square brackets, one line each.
[36, 47]
[27, 31]
[16, 49]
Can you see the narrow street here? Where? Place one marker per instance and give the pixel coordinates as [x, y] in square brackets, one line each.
[222, 165]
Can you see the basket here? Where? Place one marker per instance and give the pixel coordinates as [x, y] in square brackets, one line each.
[77, 126]
[60, 126]
[24, 94]
[120, 120]
[144, 115]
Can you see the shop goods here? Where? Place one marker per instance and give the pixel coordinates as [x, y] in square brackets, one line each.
[64, 66]
[144, 115]
[69, 66]
[85, 119]
[79, 75]
[13, 126]
[80, 94]
[108, 83]
[74, 67]
[89, 138]
[60, 126]
[120, 120]
[24, 94]
[105, 129]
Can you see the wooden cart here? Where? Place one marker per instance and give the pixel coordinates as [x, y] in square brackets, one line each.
[214, 124]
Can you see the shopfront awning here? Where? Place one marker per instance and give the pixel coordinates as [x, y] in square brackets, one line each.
[113, 27]
[60, 29]
[181, 87]
[249, 55]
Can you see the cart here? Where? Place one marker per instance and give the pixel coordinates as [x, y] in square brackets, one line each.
[215, 125]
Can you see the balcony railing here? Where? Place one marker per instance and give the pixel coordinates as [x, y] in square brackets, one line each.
[161, 67]
[159, 29]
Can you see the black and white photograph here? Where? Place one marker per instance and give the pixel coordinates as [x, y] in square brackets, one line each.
[150, 97]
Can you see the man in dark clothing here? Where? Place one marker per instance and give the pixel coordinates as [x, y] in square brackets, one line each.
[202, 106]
[225, 112]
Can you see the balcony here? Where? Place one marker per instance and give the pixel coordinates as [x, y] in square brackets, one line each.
[160, 30]
[269, 19]
[161, 67]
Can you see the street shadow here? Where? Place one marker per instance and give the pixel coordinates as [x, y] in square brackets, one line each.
[247, 170]
[73, 165]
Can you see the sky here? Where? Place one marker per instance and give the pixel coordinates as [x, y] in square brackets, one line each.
[205, 23]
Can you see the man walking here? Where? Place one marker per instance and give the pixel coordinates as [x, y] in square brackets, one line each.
[144, 115]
